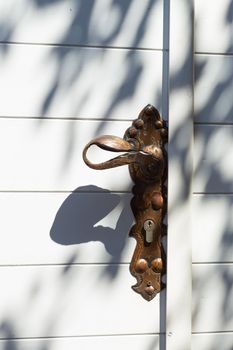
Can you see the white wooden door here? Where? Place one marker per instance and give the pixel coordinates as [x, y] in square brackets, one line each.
[212, 238]
[72, 70]
[200, 176]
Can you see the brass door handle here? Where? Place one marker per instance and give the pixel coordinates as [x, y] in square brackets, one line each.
[114, 144]
[146, 156]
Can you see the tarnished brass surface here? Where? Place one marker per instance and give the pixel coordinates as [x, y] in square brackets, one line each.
[147, 159]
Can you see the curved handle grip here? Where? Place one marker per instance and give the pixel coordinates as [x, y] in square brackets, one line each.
[114, 144]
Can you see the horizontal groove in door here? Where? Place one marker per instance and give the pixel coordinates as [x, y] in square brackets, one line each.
[78, 190]
[209, 263]
[214, 123]
[134, 48]
[210, 341]
[204, 53]
[65, 265]
[212, 333]
[99, 342]
[203, 194]
[40, 118]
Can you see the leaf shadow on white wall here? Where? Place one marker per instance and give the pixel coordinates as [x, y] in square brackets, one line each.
[70, 69]
[83, 71]
[213, 290]
[212, 177]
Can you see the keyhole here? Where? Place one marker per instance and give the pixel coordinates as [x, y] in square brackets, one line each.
[149, 226]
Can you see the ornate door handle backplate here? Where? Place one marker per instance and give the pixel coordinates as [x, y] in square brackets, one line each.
[146, 156]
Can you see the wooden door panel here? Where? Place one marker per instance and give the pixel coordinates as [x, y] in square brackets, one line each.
[213, 159]
[81, 300]
[123, 23]
[212, 228]
[78, 82]
[212, 298]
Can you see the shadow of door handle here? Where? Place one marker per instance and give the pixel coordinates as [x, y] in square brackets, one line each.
[146, 156]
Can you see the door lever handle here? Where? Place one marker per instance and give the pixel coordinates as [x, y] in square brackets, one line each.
[145, 154]
[114, 144]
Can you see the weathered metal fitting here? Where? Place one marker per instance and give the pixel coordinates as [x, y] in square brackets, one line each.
[146, 157]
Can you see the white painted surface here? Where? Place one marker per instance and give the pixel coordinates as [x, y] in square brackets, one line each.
[64, 261]
[212, 223]
[60, 228]
[178, 335]
[74, 301]
[213, 159]
[47, 155]
[136, 342]
[55, 81]
[212, 341]
[214, 26]
[212, 238]
[213, 94]
[128, 23]
[64, 264]
[103, 83]
[212, 298]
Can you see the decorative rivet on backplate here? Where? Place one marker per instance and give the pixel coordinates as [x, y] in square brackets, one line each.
[157, 200]
[141, 266]
[159, 124]
[133, 132]
[157, 264]
[138, 123]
